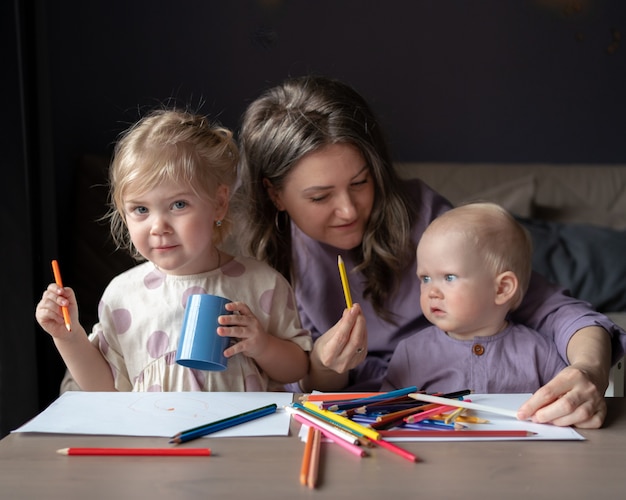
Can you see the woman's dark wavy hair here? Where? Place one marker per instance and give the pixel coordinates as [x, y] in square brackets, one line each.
[298, 117]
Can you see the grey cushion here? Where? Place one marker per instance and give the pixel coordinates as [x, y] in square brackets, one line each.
[588, 260]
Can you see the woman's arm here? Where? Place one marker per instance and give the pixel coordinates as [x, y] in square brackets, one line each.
[576, 395]
[587, 340]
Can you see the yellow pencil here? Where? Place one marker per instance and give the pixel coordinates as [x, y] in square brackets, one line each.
[59, 282]
[346, 422]
[344, 281]
[451, 417]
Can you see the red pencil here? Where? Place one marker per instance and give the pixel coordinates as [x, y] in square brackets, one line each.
[459, 433]
[157, 452]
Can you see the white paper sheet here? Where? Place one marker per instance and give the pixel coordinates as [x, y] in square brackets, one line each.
[498, 422]
[159, 413]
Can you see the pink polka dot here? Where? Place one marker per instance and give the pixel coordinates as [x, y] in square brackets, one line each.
[154, 388]
[266, 301]
[154, 279]
[170, 358]
[234, 269]
[194, 290]
[157, 344]
[121, 320]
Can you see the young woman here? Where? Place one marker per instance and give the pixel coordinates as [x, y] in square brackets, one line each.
[317, 181]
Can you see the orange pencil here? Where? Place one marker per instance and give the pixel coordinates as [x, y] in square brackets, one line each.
[59, 282]
[339, 396]
[315, 459]
[306, 457]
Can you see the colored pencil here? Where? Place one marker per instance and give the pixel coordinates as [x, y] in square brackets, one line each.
[422, 415]
[351, 447]
[57, 278]
[350, 429]
[459, 434]
[355, 403]
[337, 432]
[337, 396]
[397, 450]
[454, 415]
[344, 281]
[314, 463]
[433, 425]
[365, 431]
[224, 423]
[157, 452]
[306, 457]
[464, 404]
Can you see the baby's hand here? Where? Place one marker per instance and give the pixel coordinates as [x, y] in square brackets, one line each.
[244, 326]
[49, 313]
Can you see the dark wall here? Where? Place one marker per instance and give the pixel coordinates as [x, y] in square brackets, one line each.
[451, 80]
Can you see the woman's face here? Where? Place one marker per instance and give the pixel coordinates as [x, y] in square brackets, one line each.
[329, 195]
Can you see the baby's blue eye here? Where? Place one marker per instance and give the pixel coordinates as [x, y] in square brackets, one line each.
[450, 277]
[426, 279]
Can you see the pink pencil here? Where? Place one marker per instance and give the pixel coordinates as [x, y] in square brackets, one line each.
[397, 450]
[416, 417]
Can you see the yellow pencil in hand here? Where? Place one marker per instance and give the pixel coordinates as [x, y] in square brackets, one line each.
[344, 281]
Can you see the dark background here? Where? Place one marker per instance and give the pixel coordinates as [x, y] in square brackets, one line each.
[451, 80]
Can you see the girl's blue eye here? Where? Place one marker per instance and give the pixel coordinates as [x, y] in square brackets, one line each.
[179, 204]
[140, 210]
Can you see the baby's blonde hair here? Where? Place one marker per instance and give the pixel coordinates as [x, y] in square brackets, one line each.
[502, 243]
[170, 145]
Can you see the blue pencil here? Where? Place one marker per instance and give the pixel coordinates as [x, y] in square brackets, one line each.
[225, 423]
[355, 403]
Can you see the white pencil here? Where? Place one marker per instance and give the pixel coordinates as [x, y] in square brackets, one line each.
[464, 404]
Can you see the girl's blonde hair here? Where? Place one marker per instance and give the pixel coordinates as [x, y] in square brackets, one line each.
[170, 145]
[502, 242]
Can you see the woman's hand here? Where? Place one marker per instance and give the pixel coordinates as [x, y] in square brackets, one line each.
[570, 398]
[337, 351]
[576, 395]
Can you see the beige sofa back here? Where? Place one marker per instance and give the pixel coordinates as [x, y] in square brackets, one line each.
[588, 194]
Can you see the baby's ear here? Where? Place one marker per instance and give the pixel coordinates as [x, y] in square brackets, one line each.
[506, 287]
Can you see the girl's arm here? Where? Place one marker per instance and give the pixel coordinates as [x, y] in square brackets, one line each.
[84, 361]
[281, 359]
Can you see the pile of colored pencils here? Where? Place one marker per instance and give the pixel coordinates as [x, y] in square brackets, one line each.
[359, 422]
